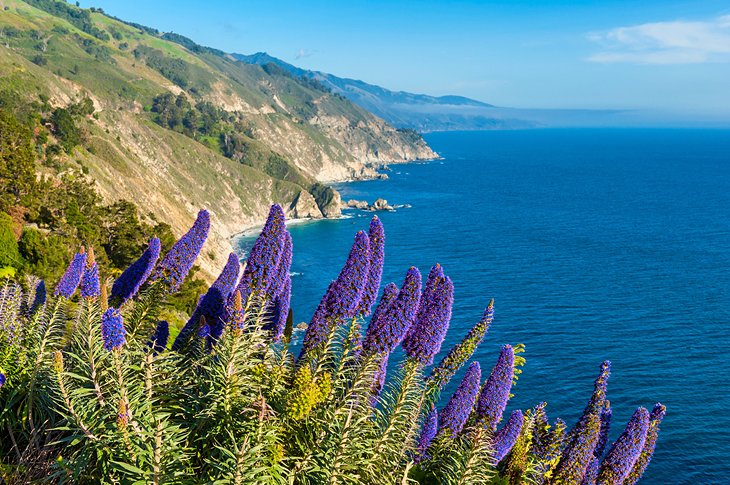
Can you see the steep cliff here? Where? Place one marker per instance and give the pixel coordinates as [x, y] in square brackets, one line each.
[177, 126]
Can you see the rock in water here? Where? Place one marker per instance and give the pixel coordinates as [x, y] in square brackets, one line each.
[304, 206]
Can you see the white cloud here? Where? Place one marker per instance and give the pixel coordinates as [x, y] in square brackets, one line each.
[678, 42]
[304, 53]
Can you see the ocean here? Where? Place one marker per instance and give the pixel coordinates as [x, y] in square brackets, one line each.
[595, 244]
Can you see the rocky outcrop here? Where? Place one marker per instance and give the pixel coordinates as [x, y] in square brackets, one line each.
[304, 207]
[378, 205]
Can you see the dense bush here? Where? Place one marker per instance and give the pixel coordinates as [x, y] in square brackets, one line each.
[96, 389]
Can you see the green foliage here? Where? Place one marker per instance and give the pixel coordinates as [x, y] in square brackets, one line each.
[65, 129]
[78, 17]
[9, 255]
[17, 173]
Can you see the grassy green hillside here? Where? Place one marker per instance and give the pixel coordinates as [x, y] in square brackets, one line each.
[175, 126]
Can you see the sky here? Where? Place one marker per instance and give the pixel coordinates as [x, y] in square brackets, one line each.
[666, 55]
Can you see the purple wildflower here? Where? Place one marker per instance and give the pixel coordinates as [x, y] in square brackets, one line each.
[127, 285]
[424, 338]
[112, 329]
[90, 277]
[428, 433]
[3, 379]
[158, 341]
[318, 329]
[282, 272]
[495, 392]
[212, 304]
[376, 237]
[595, 464]
[657, 414]
[281, 310]
[461, 352]
[263, 261]
[350, 283]
[386, 332]
[39, 297]
[582, 440]
[625, 451]
[204, 330]
[454, 415]
[506, 437]
[72, 277]
[177, 263]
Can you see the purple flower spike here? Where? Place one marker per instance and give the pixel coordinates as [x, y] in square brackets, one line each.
[3, 379]
[112, 329]
[495, 392]
[72, 277]
[424, 339]
[348, 288]
[657, 414]
[281, 310]
[387, 331]
[625, 451]
[282, 271]
[177, 263]
[430, 426]
[390, 293]
[90, 277]
[129, 282]
[506, 437]
[461, 352]
[583, 439]
[595, 465]
[262, 265]
[39, 297]
[376, 237]
[318, 328]
[158, 341]
[212, 304]
[454, 415]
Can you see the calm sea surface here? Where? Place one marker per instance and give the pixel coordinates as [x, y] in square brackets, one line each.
[595, 244]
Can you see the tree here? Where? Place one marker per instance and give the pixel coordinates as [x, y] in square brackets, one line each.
[9, 255]
[65, 129]
[17, 172]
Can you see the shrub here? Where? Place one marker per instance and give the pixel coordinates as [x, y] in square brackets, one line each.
[89, 392]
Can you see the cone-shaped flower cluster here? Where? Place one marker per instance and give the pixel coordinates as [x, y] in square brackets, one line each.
[318, 328]
[461, 352]
[453, 416]
[583, 439]
[212, 304]
[237, 317]
[506, 437]
[90, 277]
[376, 239]
[3, 379]
[113, 332]
[39, 297]
[176, 264]
[262, 265]
[625, 451]
[428, 433]
[129, 282]
[425, 336]
[72, 277]
[348, 288]
[158, 341]
[495, 392]
[379, 380]
[280, 310]
[655, 419]
[595, 464]
[387, 331]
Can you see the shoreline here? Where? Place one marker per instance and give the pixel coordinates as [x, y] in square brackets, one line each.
[250, 231]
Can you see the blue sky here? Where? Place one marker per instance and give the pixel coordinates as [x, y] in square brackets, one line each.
[662, 55]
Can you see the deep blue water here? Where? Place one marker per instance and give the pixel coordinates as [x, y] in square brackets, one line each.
[596, 244]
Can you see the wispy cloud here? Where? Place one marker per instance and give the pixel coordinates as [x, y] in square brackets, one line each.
[677, 42]
[304, 53]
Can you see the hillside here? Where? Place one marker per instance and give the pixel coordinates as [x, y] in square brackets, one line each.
[419, 112]
[175, 126]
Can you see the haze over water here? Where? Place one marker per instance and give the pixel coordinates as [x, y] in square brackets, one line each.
[596, 244]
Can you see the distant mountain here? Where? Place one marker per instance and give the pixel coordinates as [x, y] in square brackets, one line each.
[402, 109]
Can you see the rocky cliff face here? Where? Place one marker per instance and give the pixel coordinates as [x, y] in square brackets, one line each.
[288, 133]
